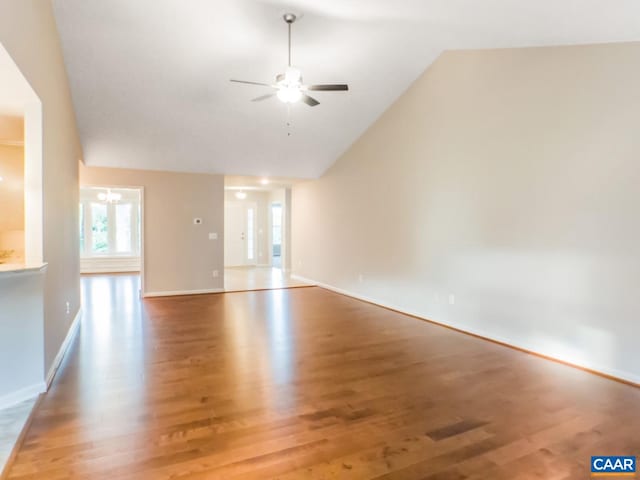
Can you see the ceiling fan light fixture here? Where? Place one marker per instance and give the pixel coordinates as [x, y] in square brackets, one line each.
[292, 76]
[289, 94]
[288, 85]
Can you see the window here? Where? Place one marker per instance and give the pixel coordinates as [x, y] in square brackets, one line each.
[82, 227]
[123, 228]
[276, 224]
[109, 222]
[99, 228]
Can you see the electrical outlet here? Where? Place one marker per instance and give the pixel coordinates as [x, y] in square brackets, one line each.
[213, 236]
[68, 308]
[360, 278]
[215, 274]
[452, 299]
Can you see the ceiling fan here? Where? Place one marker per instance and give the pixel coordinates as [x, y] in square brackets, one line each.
[289, 87]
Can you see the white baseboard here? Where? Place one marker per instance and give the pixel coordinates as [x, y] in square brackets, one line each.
[23, 394]
[71, 334]
[177, 293]
[111, 270]
[598, 369]
[110, 264]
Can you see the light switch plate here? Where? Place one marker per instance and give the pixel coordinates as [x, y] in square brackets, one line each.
[213, 236]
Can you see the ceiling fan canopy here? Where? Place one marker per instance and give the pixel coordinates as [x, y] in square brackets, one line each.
[288, 85]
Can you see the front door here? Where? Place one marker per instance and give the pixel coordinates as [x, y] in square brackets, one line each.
[239, 234]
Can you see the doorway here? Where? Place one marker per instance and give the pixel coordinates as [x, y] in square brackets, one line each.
[22, 271]
[21, 218]
[276, 235]
[256, 234]
[110, 229]
[240, 234]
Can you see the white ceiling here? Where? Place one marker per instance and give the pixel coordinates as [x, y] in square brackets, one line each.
[150, 78]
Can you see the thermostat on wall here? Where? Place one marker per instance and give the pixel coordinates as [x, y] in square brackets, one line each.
[197, 221]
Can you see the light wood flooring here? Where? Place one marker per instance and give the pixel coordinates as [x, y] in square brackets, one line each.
[308, 384]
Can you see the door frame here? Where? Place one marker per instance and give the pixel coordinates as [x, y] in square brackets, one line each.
[270, 226]
[141, 239]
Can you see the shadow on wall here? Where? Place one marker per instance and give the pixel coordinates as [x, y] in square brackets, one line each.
[505, 206]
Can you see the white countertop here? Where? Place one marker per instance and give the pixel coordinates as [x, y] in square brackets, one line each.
[17, 268]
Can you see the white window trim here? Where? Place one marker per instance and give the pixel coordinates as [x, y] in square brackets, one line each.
[86, 199]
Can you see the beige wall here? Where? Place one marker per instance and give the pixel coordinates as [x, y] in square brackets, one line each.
[178, 255]
[508, 179]
[12, 202]
[11, 188]
[11, 129]
[28, 32]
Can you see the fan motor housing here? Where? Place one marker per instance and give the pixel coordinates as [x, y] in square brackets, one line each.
[289, 17]
[281, 77]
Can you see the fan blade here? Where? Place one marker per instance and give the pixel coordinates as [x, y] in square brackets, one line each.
[263, 97]
[312, 102]
[328, 87]
[251, 83]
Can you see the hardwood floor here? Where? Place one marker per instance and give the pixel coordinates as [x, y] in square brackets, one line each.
[305, 383]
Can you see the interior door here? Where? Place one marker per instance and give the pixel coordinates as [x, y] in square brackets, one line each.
[239, 234]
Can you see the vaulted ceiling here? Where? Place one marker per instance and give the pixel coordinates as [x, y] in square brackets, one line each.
[150, 78]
